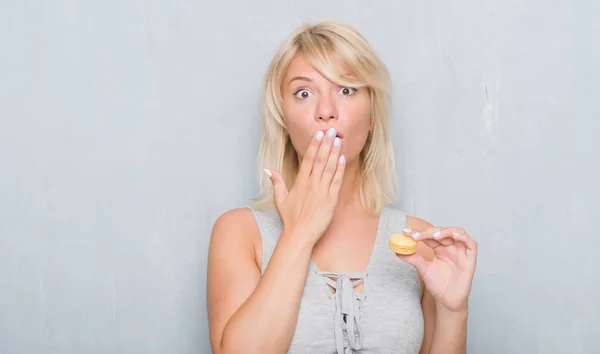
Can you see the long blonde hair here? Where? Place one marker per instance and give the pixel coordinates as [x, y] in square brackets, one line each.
[319, 44]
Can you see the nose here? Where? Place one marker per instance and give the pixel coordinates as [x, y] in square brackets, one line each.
[326, 108]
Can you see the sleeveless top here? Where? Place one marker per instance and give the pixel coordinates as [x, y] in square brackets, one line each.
[385, 317]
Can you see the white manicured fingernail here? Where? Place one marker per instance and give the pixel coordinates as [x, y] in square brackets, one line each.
[342, 160]
[319, 135]
[416, 235]
[456, 233]
[336, 142]
[331, 132]
[407, 230]
[268, 173]
[437, 234]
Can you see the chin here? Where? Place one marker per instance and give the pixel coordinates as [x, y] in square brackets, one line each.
[351, 159]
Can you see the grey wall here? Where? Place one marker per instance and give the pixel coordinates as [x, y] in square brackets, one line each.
[127, 127]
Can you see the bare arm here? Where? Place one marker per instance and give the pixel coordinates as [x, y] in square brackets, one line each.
[248, 313]
[445, 330]
[450, 335]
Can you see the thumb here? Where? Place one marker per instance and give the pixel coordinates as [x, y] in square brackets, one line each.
[416, 260]
[279, 189]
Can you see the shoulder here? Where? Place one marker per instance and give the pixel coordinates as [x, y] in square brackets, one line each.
[416, 223]
[412, 222]
[233, 218]
[236, 228]
[231, 221]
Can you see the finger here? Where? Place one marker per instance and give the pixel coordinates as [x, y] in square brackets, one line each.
[332, 162]
[309, 157]
[457, 235]
[442, 235]
[465, 248]
[433, 244]
[418, 237]
[279, 188]
[338, 177]
[470, 245]
[322, 156]
[437, 234]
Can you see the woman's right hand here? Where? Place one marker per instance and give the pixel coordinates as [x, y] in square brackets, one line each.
[307, 209]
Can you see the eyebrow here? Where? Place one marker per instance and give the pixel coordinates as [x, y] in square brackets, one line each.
[302, 78]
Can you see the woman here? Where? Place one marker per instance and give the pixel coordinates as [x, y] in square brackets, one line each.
[307, 268]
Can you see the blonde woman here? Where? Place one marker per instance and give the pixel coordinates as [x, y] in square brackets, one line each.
[307, 268]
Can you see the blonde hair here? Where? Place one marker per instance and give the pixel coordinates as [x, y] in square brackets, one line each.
[319, 44]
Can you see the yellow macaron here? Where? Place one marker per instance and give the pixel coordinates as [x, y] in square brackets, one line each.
[402, 244]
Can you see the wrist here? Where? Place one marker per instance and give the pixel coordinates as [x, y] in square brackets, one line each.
[450, 330]
[459, 312]
[299, 238]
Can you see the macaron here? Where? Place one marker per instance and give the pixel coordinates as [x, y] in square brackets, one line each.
[402, 244]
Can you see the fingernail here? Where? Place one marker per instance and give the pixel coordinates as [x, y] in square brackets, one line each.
[268, 173]
[437, 234]
[331, 132]
[456, 233]
[407, 231]
[336, 142]
[342, 160]
[416, 235]
[319, 135]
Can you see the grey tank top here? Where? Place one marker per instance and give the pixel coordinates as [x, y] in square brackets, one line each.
[385, 317]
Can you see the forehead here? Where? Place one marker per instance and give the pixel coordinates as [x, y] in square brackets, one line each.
[300, 66]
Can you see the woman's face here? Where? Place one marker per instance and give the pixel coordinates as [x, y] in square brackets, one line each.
[312, 103]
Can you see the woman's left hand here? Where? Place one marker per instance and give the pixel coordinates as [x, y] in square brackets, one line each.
[447, 275]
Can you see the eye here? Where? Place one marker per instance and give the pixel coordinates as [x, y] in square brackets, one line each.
[302, 94]
[347, 91]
